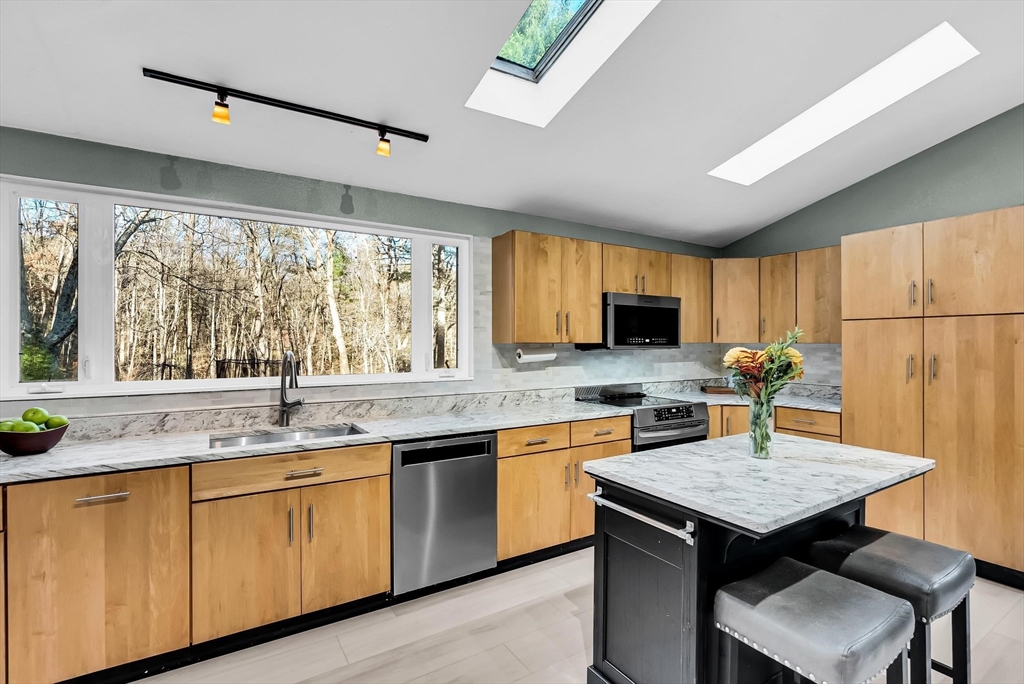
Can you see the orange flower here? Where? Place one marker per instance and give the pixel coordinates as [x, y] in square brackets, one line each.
[736, 355]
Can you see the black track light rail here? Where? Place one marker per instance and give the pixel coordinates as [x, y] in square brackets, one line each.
[221, 91]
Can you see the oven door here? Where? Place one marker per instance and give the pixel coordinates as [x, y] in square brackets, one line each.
[640, 321]
[657, 436]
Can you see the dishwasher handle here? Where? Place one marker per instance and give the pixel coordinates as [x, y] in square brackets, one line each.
[443, 450]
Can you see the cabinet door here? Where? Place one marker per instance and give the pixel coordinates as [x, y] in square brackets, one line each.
[3, 614]
[974, 429]
[737, 306]
[94, 584]
[691, 282]
[655, 272]
[778, 296]
[538, 287]
[883, 273]
[883, 388]
[245, 562]
[581, 291]
[819, 295]
[735, 420]
[533, 502]
[346, 542]
[714, 422]
[582, 508]
[975, 264]
[621, 267]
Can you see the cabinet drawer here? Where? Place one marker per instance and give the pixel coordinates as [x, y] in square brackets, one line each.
[809, 435]
[819, 422]
[530, 440]
[585, 432]
[218, 479]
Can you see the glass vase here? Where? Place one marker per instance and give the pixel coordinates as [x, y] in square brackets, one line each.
[762, 417]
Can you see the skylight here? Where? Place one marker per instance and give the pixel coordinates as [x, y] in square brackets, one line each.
[935, 53]
[545, 29]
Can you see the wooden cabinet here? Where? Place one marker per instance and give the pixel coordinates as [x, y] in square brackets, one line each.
[809, 435]
[883, 273]
[735, 420]
[691, 282]
[736, 300]
[346, 542]
[714, 422]
[532, 439]
[975, 264]
[3, 614]
[974, 429]
[246, 562]
[581, 513]
[584, 432]
[96, 582]
[778, 296]
[819, 295]
[883, 370]
[803, 420]
[638, 271]
[545, 289]
[533, 502]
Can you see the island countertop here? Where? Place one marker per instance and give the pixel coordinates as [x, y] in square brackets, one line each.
[717, 479]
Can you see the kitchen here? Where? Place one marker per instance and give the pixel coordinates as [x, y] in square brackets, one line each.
[324, 432]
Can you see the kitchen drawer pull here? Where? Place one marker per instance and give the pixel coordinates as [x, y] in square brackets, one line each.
[567, 324]
[808, 421]
[558, 322]
[933, 367]
[537, 440]
[291, 525]
[303, 473]
[728, 426]
[931, 291]
[602, 433]
[910, 366]
[913, 293]
[718, 327]
[685, 534]
[103, 497]
[310, 522]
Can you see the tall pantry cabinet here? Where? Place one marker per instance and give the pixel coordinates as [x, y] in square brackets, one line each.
[933, 365]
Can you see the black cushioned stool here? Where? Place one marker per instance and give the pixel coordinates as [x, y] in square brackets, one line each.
[825, 628]
[934, 578]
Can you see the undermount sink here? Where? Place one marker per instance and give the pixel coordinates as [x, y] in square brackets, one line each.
[298, 435]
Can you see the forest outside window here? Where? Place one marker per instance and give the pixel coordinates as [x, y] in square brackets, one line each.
[182, 299]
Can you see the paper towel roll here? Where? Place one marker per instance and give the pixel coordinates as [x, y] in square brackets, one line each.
[522, 357]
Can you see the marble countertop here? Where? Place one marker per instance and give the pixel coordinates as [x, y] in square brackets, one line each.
[134, 453]
[784, 400]
[717, 478]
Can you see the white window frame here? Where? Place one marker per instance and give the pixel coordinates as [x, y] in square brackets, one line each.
[96, 292]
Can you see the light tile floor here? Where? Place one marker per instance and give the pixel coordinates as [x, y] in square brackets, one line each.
[534, 625]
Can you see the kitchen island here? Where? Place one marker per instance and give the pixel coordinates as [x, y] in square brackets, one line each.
[677, 523]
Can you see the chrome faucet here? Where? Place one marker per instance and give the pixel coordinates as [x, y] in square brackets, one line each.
[289, 369]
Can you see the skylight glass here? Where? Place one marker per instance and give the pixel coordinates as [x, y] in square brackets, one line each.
[545, 29]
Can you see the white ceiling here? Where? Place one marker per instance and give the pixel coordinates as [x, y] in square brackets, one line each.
[694, 84]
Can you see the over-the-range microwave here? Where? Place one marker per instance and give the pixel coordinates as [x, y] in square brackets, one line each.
[638, 321]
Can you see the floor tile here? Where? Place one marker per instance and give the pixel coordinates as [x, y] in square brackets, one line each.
[572, 670]
[554, 643]
[1013, 624]
[494, 666]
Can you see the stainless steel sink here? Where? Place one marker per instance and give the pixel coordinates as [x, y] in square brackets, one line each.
[288, 436]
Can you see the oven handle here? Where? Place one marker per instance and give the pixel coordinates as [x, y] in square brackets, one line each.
[668, 433]
[684, 534]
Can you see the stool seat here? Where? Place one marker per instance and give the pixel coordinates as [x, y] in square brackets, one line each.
[932, 577]
[824, 627]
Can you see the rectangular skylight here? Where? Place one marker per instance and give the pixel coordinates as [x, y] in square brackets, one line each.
[935, 53]
[542, 33]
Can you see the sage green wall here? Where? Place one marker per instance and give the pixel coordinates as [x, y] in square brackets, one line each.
[51, 157]
[977, 170]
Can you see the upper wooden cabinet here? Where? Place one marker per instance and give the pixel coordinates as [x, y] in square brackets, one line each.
[97, 572]
[547, 289]
[637, 271]
[778, 296]
[736, 300]
[691, 282]
[819, 295]
[883, 273]
[975, 264]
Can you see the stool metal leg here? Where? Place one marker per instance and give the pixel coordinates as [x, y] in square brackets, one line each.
[728, 659]
[897, 670]
[962, 642]
[921, 654]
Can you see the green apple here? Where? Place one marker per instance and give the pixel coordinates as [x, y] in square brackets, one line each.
[35, 415]
[6, 425]
[54, 422]
[25, 426]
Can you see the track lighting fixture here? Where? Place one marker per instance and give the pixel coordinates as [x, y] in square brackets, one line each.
[384, 146]
[221, 114]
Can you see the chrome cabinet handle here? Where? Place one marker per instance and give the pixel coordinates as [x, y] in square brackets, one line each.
[310, 522]
[558, 322]
[933, 367]
[567, 323]
[606, 431]
[910, 366]
[686, 534]
[567, 475]
[644, 289]
[931, 291]
[577, 475]
[538, 440]
[291, 525]
[913, 293]
[303, 473]
[808, 421]
[103, 497]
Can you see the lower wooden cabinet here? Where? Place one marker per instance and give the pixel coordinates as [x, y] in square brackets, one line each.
[809, 435]
[714, 422]
[533, 502]
[581, 507]
[735, 420]
[3, 615]
[96, 582]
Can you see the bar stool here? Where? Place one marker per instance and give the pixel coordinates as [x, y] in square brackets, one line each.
[934, 578]
[825, 628]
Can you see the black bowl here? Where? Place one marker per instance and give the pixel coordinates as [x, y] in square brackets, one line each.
[29, 443]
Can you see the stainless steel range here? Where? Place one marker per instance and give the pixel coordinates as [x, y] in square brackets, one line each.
[657, 421]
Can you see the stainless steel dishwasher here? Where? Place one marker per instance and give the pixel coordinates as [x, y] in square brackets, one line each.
[444, 501]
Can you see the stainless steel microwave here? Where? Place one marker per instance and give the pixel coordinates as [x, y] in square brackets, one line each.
[636, 321]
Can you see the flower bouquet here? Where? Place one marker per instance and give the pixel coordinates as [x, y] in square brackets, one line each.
[758, 376]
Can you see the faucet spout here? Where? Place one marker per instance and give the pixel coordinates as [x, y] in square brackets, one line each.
[289, 372]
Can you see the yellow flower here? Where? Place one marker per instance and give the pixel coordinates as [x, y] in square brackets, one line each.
[736, 355]
[795, 357]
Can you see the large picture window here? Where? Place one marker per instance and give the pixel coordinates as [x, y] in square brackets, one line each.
[192, 297]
